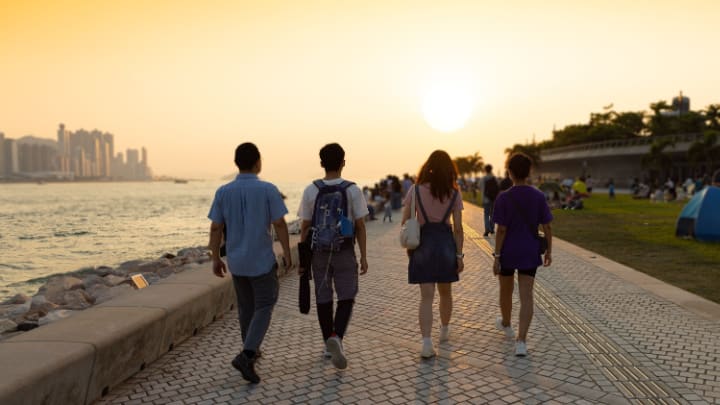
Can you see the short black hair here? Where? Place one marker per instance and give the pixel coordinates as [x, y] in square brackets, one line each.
[519, 165]
[332, 157]
[488, 168]
[246, 156]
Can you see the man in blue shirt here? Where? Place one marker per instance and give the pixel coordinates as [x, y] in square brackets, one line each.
[245, 208]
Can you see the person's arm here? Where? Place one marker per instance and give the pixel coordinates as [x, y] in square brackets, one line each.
[405, 214]
[281, 230]
[459, 235]
[216, 232]
[547, 229]
[361, 237]
[499, 241]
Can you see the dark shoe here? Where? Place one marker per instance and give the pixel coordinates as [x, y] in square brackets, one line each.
[246, 367]
[486, 234]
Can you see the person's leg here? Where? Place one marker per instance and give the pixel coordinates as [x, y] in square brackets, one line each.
[322, 276]
[487, 218]
[345, 277]
[245, 303]
[525, 284]
[507, 284]
[265, 291]
[446, 303]
[427, 294]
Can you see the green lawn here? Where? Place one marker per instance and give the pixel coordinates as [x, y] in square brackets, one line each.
[641, 234]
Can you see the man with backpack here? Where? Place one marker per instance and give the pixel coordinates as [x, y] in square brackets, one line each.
[332, 212]
[243, 210]
[490, 192]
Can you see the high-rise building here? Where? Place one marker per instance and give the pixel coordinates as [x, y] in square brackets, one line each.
[10, 152]
[2, 154]
[64, 155]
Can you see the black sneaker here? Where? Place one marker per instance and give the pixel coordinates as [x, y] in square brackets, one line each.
[246, 367]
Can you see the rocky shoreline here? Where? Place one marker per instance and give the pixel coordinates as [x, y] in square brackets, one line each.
[63, 295]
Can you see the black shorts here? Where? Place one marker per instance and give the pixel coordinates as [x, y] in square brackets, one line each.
[525, 272]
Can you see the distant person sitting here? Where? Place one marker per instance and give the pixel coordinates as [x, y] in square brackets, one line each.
[580, 187]
[643, 191]
[716, 178]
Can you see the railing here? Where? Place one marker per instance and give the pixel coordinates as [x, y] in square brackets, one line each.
[617, 143]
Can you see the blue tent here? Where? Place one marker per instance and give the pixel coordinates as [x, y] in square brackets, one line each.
[700, 218]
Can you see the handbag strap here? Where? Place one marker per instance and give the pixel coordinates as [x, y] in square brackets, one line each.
[413, 213]
[524, 218]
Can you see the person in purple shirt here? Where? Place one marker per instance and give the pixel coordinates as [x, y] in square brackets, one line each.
[246, 208]
[518, 211]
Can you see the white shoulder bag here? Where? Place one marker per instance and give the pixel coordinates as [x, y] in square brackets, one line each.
[410, 231]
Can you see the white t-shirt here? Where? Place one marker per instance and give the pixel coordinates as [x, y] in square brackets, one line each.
[356, 201]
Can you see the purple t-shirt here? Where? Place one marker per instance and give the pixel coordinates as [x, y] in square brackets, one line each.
[520, 209]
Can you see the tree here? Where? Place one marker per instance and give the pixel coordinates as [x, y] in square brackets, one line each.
[531, 149]
[712, 117]
[469, 164]
[705, 151]
[463, 165]
[656, 160]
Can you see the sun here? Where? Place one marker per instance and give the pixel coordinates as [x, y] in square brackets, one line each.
[447, 104]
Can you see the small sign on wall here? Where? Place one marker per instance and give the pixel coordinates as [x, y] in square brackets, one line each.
[139, 281]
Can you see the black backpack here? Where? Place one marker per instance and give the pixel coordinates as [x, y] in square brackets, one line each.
[491, 188]
[331, 227]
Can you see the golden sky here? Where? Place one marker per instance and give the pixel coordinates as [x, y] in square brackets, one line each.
[190, 80]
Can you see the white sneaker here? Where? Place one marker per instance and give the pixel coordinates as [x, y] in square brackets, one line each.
[520, 348]
[444, 333]
[326, 353]
[428, 350]
[509, 332]
[334, 346]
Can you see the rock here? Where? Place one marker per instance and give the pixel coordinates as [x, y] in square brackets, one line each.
[151, 278]
[77, 299]
[7, 325]
[110, 293]
[103, 271]
[17, 299]
[167, 271]
[168, 256]
[130, 266]
[55, 316]
[26, 326]
[54, 290]
[94, 279]
[39, 307]
[14, 311]
[98, 290]
[113, 280]
[193, 252]
[154, 265]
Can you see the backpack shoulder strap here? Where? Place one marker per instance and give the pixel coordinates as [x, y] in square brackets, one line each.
[319, 184]
[450, 207]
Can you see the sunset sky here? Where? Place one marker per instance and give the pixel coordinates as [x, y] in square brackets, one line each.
[190, 80]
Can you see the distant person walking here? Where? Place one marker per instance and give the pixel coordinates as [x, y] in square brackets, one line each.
[332, 212]
[245, 208]
[490, 190]
[611, 189]
[518, 211]
[438, 260]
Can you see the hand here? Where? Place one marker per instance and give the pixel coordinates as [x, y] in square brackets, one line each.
[287, 260]
[219, 268]
[363, 265]
[496, 266]
[460, 265]
[548, 259]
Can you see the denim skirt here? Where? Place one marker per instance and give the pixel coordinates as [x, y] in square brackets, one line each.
[434, 261]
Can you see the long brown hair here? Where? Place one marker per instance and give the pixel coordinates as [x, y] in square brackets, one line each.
[440, 171]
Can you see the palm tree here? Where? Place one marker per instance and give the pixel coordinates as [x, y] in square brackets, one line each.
[705, 151]
[475, 163]
[712, 117]
[532, 150]
[656, 160]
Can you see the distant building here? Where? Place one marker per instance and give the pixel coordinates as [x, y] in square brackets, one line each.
[2, 155]
[11, 162]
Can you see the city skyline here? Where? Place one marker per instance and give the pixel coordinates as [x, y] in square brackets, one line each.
[192, 80]
[73, 155]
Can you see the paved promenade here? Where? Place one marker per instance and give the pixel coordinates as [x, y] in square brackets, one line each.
[596, 338]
